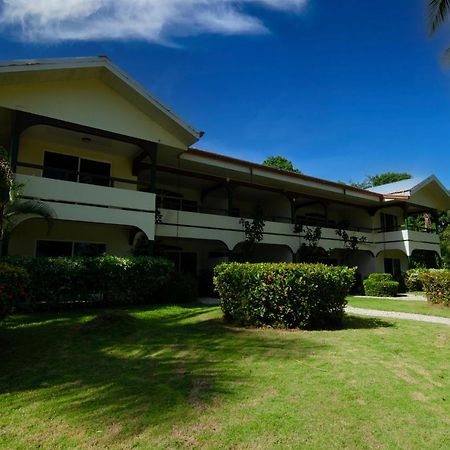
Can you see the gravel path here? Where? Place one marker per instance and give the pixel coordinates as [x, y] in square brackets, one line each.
[367, 312]
[397, 315]
[404, 297]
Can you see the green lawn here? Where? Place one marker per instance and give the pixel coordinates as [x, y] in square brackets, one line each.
[178, 377]
[399, 305]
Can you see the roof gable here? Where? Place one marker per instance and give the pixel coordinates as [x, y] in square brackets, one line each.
[428, 192]
[91, 92]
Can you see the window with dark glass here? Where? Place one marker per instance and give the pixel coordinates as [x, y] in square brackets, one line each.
[389, 222]
[53, 248]
[88, 249]
[73, 168]
[60, 167]
[392, 266]
[68, 248]
[95, 172]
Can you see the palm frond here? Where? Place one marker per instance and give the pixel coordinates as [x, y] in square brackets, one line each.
[34, 207]
[439, 13]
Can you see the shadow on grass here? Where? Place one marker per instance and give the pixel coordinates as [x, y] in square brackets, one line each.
[364, 323]
[139, 367]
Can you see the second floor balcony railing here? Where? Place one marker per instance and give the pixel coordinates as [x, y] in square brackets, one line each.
[81, 177]
[178, 203]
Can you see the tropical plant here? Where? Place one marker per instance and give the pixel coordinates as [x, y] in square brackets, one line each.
[309, 251]
[439, 11]
[350, 243]
[11, 204]
[253, 231]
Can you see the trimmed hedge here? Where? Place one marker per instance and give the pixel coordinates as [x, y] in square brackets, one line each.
[14, 288]
[283, 294]
[380, 285]
[436, 284]
[63, 282]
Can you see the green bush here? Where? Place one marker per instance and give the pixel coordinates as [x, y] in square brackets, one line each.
[14, 286]
[380, 285]
[436, 284]
[64, 282]
[376, 276]
[282, 294]
[413, 279]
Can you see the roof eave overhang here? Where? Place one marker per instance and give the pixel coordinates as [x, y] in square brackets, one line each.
[254, 169]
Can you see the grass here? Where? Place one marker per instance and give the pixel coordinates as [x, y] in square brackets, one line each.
[400, 306]
[178, 377]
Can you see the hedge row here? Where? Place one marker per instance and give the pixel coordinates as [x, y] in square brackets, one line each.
[62, 282]
[436, 284]
[380, 285]
[282, 294]
[14, 287]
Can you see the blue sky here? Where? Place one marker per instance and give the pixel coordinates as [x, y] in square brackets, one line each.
[344, 89]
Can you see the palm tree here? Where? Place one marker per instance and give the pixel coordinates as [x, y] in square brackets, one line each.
[439, 13]
[11, 204]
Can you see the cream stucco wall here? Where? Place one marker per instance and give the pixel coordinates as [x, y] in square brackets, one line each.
[25, 235]
[87, 102]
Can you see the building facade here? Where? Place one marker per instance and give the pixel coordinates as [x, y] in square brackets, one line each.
[117, 168]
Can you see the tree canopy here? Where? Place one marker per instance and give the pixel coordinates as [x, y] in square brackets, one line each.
[382, 178]
[280, 162]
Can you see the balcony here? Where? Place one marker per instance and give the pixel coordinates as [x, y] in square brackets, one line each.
[196, 225]
[91, 203]
[407, 241]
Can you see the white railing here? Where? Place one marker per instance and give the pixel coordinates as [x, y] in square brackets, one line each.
[91, 203]
[227, 229]
[86, 194]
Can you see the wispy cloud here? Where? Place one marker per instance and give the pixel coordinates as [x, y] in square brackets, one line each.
[150, 20]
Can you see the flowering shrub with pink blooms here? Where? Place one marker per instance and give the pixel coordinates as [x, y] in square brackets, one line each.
[14, 288]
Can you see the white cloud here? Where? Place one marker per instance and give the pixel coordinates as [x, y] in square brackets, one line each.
[150, 20]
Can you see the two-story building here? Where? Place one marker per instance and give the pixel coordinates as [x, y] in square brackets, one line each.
[116, 165]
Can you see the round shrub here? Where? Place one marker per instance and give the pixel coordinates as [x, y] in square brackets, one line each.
[380, 285]
[283, 294]
[377, 276]
[413, 279]
[14, 288]
[436, 284]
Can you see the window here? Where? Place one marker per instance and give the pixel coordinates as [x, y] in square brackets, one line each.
[73, 168]
[176, 203]
[60, 167]
[88, 249]
[53, 248]
[184, 262]
[68, 248]
[389, 222]
[94, 172]
[392, 266]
